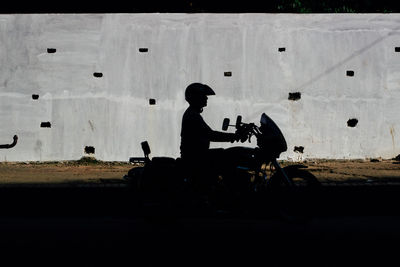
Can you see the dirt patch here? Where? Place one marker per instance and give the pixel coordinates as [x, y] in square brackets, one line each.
[355, 170]
[93, 171]
[63, 172]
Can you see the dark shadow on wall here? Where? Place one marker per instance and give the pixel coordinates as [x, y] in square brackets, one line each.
[350, 57]
[205, 6]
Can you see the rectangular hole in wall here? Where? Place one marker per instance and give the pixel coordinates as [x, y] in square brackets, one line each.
[89, 149]
[45, 124]
[152, 101]
[227, 73]
[299, 149]
[352, 122]
[294, 96]
[35, 97]
[397, 49]
[281, 49]
[98, 74]
[143, 50]
[51, 50]
[350, 73]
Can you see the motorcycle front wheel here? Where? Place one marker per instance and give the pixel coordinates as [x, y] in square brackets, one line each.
[297, 202]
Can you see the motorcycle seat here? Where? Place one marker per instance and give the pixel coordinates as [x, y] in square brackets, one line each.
[163, 160]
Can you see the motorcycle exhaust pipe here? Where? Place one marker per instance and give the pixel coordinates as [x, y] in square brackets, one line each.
[12, 144]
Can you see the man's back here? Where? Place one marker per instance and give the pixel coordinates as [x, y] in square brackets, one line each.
[195, 134]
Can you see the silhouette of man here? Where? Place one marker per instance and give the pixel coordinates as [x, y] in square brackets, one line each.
[196, 136]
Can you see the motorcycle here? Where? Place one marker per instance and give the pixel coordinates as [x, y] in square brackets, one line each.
[249, 179]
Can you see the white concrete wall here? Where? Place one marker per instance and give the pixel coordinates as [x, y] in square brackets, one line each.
[113, 114]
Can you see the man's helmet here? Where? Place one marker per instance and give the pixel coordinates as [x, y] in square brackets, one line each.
[196, 90]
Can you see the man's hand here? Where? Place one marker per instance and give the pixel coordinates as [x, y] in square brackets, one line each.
[241, 134]
[234, 137]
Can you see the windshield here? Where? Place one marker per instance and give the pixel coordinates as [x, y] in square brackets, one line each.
[269, 125]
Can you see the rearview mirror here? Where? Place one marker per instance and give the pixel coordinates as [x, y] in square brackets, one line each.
[225, 124]
[238, 121]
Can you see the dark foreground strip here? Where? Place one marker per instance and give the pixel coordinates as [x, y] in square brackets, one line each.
[125, 185]
[64, 185]
[118, 199]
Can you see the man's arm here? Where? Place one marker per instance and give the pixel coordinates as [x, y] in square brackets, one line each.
[216, 136]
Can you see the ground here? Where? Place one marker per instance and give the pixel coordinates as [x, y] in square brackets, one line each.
[93, 171]
[350, 225]
[82, 171]
[355, 170]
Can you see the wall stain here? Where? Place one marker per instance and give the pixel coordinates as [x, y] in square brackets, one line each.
[38, 148]
[392, 133]
[91, 125]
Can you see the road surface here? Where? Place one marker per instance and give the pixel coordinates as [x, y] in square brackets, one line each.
[88, 226]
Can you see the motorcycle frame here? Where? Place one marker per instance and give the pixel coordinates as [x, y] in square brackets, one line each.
[254, 130]
[282, 172]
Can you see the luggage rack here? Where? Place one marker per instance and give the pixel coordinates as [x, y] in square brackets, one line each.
[146, 151]
[135, 160]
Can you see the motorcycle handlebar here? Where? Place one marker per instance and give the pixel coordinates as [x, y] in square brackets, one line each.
[246, 131]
